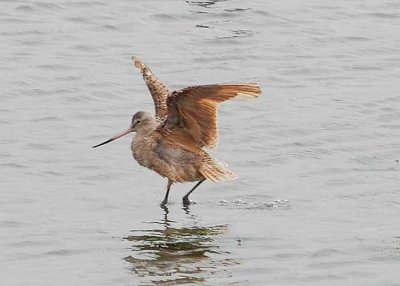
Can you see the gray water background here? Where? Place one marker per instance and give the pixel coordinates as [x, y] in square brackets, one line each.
[318, 196]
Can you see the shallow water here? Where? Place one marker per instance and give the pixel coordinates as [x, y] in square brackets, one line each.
[317, 198]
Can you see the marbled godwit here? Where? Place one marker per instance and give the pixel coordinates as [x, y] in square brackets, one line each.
[172, 142]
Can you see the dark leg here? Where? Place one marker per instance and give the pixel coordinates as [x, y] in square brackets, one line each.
[165, 201]
[186, 200]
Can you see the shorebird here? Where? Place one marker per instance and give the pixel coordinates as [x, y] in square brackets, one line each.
[172, 143]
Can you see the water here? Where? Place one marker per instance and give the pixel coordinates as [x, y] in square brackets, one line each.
[318, 196]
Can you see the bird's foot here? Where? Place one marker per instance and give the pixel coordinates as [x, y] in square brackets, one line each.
[186, 201]
[163, 203]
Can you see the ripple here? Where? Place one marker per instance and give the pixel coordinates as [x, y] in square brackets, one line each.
[85, 48]
[164, 17]
[48, 6]
[384, 15]
[85, 4]
[25, 8]
[14, 165]
[56, 67]
[48, 119]
[39, 146]
[12, 224]
[255, 205]
[109, 27]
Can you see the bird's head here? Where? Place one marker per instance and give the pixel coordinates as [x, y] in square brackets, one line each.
[140, 120]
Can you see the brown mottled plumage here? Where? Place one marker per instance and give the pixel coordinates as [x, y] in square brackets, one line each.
[185, 122]
[157, 89]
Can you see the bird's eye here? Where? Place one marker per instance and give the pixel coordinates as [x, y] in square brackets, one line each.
[138, 121]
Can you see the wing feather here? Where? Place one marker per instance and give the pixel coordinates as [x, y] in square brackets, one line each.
[192, 111]
[157, 89]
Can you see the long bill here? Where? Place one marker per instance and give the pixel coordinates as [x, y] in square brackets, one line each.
[114, 138]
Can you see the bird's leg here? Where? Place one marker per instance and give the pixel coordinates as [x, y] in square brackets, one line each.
[185, 199]
[165, 201]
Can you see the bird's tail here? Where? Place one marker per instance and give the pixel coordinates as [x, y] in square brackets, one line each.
[216, 171]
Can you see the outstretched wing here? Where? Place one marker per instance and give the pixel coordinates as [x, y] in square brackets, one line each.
[192, 112]
[158, 90]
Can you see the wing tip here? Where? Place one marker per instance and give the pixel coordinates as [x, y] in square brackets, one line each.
[137, 62]
[249, 90]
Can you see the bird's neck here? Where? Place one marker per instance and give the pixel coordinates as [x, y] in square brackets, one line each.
[147, 129]
[142, 142]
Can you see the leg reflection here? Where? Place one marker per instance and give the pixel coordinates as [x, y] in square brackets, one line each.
[174, 254]
[186, 208]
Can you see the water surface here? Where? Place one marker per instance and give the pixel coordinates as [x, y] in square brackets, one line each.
[317, 198]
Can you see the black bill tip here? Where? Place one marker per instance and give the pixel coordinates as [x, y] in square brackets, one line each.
[105, 142]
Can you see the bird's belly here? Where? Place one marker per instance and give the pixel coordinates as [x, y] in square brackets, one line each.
[182, 164]
[173, 163]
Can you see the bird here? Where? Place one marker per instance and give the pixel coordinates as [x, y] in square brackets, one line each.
[173, 143]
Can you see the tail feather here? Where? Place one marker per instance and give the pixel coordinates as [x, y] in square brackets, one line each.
[216, 171]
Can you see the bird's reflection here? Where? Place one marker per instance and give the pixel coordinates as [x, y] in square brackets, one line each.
[204, 4]
[174, 255]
